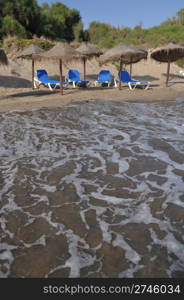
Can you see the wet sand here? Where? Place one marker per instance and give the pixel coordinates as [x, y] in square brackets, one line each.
[27, 100]
[92, 189]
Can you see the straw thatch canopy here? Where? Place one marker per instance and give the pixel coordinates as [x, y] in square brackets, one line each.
[88, 51]
[61, 52]
[168, 54]
[28, 53]
[3, 57]
[125, 54]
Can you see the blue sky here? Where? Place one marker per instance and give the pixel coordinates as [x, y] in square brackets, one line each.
[124, 13]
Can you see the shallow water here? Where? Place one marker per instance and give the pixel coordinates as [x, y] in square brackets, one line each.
[93, 189]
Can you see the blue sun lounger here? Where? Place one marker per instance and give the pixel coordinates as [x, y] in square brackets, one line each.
[132, 84]
[43, 78]
[104, 76]
[74, 78]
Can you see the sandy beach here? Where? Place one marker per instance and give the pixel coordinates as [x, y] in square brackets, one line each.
[16, 92]
[93, 189]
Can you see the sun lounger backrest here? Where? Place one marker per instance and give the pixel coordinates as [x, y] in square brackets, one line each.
[125, 76]
[42, 74]
[74, 75]
[104, 75]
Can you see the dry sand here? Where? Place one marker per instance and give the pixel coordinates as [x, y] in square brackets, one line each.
[16, 92]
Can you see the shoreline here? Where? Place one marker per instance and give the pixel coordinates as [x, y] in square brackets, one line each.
[22, 99]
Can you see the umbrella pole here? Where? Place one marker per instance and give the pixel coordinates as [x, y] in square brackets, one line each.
[32, 73]
[168, 70]
[120, 69]
[61, 75]
[84, 61]
[130, 68]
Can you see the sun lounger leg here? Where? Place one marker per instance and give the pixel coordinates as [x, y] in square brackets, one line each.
[50, 88]
[115, 83]
[147, 87]
[130, 86]
[36, 84]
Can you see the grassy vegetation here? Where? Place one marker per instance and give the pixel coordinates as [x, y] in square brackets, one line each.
[107, 36]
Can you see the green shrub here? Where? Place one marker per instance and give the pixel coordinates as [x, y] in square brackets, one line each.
[11, 26]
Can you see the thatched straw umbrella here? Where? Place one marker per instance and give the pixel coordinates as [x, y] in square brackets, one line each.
[88, 51]
[63, 53]
[28, 53]
[125, 54]
[3, 57]
[168, 54]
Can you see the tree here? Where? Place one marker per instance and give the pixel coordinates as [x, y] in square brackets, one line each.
[56, 21]
[60, 21]
[178, 19]
[78, 32]
[180, 16]
[25, 12]
[98, 31]
[86, 36]
[11, 26]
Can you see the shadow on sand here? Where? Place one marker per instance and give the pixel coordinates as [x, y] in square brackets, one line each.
[35, 93]
[145, 78]
[92, 76]
[173, 79]
[14, 82]
[39, 93]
